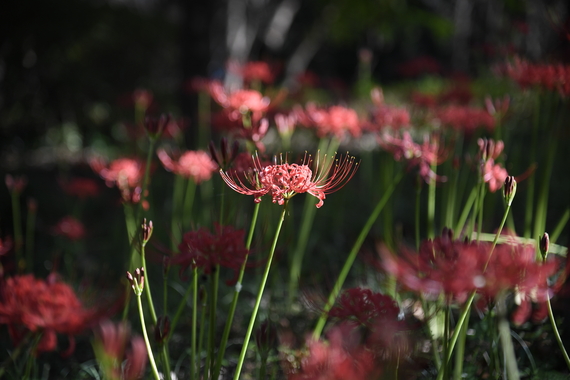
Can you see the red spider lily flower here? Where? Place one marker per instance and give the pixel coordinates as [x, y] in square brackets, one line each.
[81, 188]
[196, 165]
[254, 132]
[490, 149]
[240, 102]
[283, 181]
[120, 356]
[50, 307]
[466, 119]
[16, 184]
[341, 358]
[384, 115]
[419, 66]
[142, 98]
[285, 124]
[335, 121]
[253, 71]
[70, 228]
[226, 155]
[423, 100]
[494, 175]
[364, 307]
[548, 77]
[203, 249]
[423, 156]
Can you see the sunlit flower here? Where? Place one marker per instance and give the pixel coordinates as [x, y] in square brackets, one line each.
[240, 102]
[494, 175]
[126, 173]
[283, 181]
[50, 307]
[69, 227]
[423, 156]
[191, 164]
[336, 120]
[204, 249]
[120, 356]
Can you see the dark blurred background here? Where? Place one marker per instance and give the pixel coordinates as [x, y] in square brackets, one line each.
[68, 67]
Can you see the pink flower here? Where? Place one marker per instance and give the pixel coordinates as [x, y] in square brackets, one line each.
[465, 119]
[191, 164]
[240, 102]
[494, 175]
[423, 156]
[283, 181]
[70, 228]
[335, 120]
[253, 71]
[549, 77]
[364, 307]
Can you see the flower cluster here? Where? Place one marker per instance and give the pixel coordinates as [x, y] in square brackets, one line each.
[240, 102]
[206, 250]
[364, 307]
[433, 271]
[47, 306]
[70, 228]
[126, 173]
[548, 77]
[336, 120]
[493, 174]
[283, 181]
[423, 156]
[196, 165]
[253, 71]
[465, 118]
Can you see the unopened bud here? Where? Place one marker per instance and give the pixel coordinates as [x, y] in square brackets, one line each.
[162, 329]
[146, 231]
[544, 245]
[510, 189]
[154, 126]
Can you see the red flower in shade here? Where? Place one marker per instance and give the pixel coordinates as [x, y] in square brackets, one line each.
[81, 188]
[126, 173]
[191, 164]
[50, 307]
[465, 119]
[335, 120]
[549, 77]
[120, 356]
[434, 270]
[203, 249]
[419, 66]
[16, 184]
[70, 228]
[6, 245]
[423, 156]
[253, 71]
[364, 307]
[493, 174]
[239, 102]
[283, 181]
[341, 358]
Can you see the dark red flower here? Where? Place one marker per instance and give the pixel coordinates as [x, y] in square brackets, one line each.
[81, 188]
[205, 250]
[364, 307]
[464, 118]
[50, 307]
[191, 164]
[253, 71]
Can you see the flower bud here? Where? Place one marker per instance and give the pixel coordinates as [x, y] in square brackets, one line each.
[162, 329]
[265, 338]
[154, 126]
[544, 245]
[146, 231]
[510, 189]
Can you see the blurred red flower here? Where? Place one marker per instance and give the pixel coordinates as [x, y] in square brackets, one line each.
[70, 228]
[47, 306]
[335, 120]
[196, 165]
[81, 188]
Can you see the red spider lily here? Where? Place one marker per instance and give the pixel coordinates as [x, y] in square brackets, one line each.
[364, 307]
[549, 77]
[240, 102]
[226, 155]
[341, 358]
[6, 244]
[384, 115]
[419, 66]
[126, 173]
[457, 268]
[465, 119]
[494, 175]
[336, 120]
[203, 249]
[423, 156]
[191, 164]
[254, 132]
[70, 228]
[283, 181]
[285, 124]
[253, 71]
[120, 356]
[81, 188]
[50, 307]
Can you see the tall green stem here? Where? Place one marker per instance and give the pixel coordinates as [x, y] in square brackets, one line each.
[260, 294]
[233, 306]
[18, 235]
[146, 340]
[352, 256]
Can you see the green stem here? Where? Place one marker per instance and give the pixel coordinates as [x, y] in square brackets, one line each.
[30, 227]
[214, 285]
[460, 354]
[180, 308]
[352, 255]
[557, 334]
[506, 341]
[177, 206]
[531, 181]
[260, 294]
[418, 211]
[560, 226]
[146, 289]
[431, 206]
[18, 235]
[542, 203]
[466, 209]
[233, 306]
[194, 322]
[146, 340]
